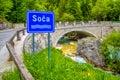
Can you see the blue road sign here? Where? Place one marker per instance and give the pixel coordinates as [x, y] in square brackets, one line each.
[39, 22]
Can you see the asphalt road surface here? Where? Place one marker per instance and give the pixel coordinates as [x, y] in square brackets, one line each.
[5, 35]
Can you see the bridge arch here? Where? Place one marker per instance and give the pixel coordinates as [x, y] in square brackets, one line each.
[98, 30]
[62, 33]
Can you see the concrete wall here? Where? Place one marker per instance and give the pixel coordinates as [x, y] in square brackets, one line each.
[14, 25]
[18, 25]
[4, 26]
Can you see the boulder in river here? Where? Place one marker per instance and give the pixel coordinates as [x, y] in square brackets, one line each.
[89, 48]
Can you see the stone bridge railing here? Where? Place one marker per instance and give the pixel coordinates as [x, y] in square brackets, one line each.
[89, 23]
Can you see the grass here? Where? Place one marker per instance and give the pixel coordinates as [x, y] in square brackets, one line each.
[59, 68]
[11, 75]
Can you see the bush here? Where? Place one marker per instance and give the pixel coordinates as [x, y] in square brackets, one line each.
[111, 50]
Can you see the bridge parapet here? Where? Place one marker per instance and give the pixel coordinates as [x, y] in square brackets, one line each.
[116, 24]
[89, 23]
[76, 25]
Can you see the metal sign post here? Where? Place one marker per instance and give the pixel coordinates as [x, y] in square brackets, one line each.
[48, 47]
[33, 40]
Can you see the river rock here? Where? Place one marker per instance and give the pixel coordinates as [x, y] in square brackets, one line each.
[89, 48]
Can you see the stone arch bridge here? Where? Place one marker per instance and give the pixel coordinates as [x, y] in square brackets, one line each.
[98, 30]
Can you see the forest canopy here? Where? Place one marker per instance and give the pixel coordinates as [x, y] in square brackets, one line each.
[14, 11]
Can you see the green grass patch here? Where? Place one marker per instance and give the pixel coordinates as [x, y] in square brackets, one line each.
[59, 68]
[12, 75]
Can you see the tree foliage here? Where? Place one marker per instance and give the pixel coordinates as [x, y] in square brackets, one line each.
[81, 10]
[100, 10]
[5, 6]
[111, 50]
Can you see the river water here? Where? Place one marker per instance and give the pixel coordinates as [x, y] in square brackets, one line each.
[69, 49]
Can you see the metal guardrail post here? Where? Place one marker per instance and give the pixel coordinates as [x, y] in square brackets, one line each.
[12, 43]
[23, 32]
[18, 36]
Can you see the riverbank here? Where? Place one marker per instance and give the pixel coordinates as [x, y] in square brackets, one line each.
[70, 49]
[60, 68]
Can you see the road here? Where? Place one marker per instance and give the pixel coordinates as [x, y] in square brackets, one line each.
[5, 35]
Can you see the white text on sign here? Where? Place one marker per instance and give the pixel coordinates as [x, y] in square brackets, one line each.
[40, 19]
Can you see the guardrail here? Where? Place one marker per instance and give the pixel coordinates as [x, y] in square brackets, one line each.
[18, 61]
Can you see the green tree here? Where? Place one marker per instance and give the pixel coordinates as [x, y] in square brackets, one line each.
[5, 6]
[86, 7]
[18, 11]
[36, 5]
[15, 10]
[101, 9]
[52, 4]
[73, 8]
[62, 7]
[67, 17]
[114, 13]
